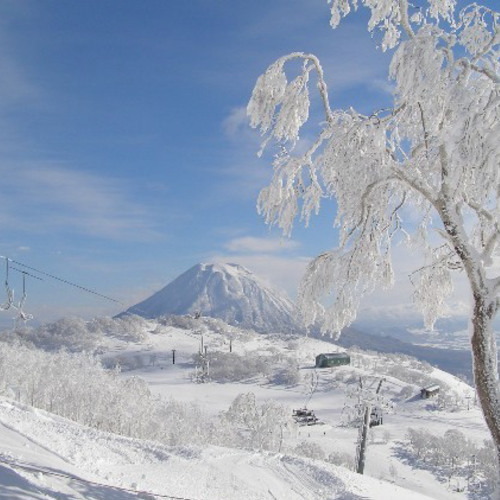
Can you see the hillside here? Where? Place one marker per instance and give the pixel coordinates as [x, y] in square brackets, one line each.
[456, 361]
[45, 457]
[237, 296]
[277, 373]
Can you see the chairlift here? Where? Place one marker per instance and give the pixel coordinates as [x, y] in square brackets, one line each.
[21, 315]
[303, 416]
[376, 416]
[19, 306]
[9, 291]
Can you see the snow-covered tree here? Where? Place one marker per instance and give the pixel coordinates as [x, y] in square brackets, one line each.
[435, 153]
[262, 426]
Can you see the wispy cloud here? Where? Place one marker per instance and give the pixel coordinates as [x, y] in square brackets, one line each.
[396, 305]
[275, 260]
[236, 123]
[250, 244]
[44, 198]
[15, 86]
[280, 272]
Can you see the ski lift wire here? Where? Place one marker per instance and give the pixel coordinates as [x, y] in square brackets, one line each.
[62, 280]
[26, 273]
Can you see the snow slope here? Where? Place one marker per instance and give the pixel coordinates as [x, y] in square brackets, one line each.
[384, 458]
[226, 291]
[44, 456]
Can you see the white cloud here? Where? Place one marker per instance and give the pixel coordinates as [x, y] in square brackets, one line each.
[16, 86]
[395, 305]
[281, 273]
[236, 122]
[271, 259]
[260, 245]
[46, 198]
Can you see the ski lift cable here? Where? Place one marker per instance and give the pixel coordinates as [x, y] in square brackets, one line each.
[62, 280]
[26, 273]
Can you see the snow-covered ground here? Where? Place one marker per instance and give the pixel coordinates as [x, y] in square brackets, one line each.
[45, 456]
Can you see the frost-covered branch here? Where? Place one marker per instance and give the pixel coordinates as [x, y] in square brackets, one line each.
[279, 107]
[405, 21]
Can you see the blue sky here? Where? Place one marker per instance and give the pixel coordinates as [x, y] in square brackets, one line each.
[126, 157]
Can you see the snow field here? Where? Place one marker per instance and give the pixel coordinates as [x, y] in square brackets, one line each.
[116, 467]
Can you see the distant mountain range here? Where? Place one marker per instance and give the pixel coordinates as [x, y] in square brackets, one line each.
[226, 291]
[457, 362]
[237, 296]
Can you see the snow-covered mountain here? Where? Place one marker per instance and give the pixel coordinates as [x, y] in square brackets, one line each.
[226, 291]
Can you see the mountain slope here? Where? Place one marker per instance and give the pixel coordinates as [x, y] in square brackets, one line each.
[45, 456]
[226, 291]
[457, 362]
[81, 462]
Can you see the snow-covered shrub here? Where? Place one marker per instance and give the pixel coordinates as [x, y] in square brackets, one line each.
[77, 335]
[183, 423]
[77, 387]
[231, 367]
[130, 328]
[341, 458]
[128, 362]
[287, 374]
[454, 454]
[451, 401]
[67, 333]
[485, 464]
[310, 449]
[185, 322]
[261, 427]
[406, 392]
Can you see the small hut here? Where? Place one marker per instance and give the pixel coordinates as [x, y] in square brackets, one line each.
[328, 359]
[429, 392]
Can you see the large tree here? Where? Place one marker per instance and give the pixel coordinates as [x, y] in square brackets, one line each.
[426, 170]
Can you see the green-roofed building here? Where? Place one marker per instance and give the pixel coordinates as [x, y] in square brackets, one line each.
[327, 359]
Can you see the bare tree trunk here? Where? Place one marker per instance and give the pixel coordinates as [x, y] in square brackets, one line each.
[483, 341]
[485, 367]
[363, 440]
